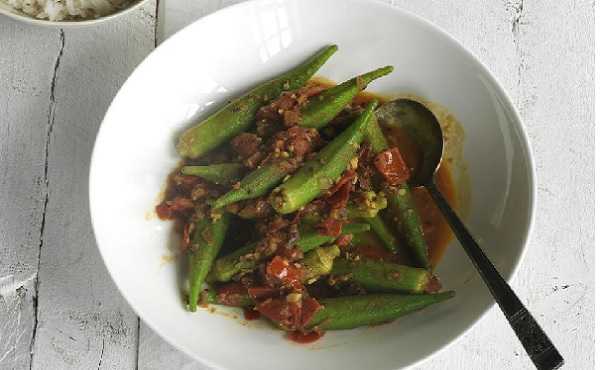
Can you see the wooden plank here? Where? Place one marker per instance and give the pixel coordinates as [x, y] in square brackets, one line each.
[555, 96]
[156, 354]
[82, 321]
[26, 74]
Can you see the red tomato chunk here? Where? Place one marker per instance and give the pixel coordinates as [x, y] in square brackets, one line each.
[392, 167]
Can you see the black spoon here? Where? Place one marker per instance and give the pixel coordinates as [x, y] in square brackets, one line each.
[420, 123]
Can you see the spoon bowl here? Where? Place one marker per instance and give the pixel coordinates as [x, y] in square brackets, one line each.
[423, 128]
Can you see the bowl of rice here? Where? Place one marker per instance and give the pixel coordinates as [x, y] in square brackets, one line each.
[61, 13]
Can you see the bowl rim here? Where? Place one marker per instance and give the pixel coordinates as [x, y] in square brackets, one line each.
[22, 17]
[519, 127]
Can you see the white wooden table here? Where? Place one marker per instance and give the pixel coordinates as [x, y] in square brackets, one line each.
[60, 310]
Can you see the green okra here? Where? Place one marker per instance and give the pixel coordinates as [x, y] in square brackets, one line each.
[369, 206]
[380, 276]
[319, 262]
[322, 108]
[383, 232]
[403, 212]
[353, 311]
[222, 174]
[238, 261]
[401, 207]
[375, 136]
[312, 239]
[257, 183]
[241, 260]
[207, 238]
[211, 296]
[320, 173]
[238, 115]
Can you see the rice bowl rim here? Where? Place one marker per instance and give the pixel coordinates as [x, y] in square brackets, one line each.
[7, 10]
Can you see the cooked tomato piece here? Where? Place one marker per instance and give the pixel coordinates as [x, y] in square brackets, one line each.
[164, 211]
[186, 238]
[392, 167]
[301, 337]
[275, 310]
[340, 198]
[262, 292]
[310, 306]
[186, 182]
[251, 314]
[292, 253]
[347, 177]
[291, 312]
[231, 294]
[344, 240]
[245, 144]
[279, 310]
[167, 210]
[281, 269]
[330, 227]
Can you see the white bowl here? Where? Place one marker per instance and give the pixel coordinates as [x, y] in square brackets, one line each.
[18, 15]
[224, 54]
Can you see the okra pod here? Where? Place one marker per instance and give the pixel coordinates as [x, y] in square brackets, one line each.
[375, 136]
[257, 183]
[240, 298]
[312, 239]
[234, 263]
[403, 212]
[238, 115]
[322, 108]
[207, 239]
[320, 173]
[353, 311]
[369, 205]
[381, 229]
[222, 174]
[381, 276]
[319, 262]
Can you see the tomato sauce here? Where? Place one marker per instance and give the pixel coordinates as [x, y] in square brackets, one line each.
[304, 338]
[251, 314]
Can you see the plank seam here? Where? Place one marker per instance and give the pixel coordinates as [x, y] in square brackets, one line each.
[516, 23]
[50, 127]
[137, 345]
[101, 355]
[156, 10]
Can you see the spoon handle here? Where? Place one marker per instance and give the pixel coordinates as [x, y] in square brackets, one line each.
[537, 344]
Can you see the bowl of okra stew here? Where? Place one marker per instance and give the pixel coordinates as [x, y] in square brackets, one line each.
[256, 212]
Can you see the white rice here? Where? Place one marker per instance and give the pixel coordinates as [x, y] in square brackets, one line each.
[58, 10]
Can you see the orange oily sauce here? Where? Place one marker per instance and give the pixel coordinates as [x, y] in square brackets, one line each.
[437, 232]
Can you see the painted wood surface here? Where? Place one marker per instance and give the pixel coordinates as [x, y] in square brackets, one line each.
[60, 310]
